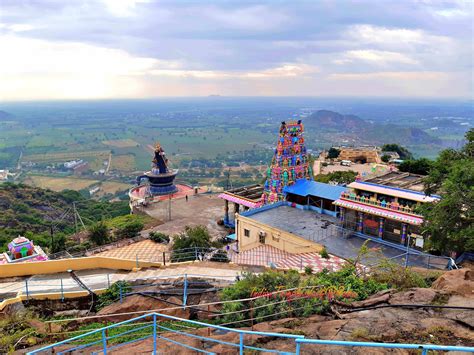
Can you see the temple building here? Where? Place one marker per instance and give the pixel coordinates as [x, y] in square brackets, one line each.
[289, 163]
[385, 207]
[243, 199]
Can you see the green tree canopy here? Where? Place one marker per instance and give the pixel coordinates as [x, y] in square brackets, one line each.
[337, 177]
[450, 222]
[420, 166]
[99, 233]
[333, 153]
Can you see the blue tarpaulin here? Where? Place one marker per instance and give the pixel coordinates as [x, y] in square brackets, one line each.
[232, 236]
[304, 188]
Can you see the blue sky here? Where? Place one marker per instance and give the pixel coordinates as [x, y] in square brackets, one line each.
[138, 48]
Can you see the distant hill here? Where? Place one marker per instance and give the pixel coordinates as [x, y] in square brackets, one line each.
[5, 115]
[334, 120]
[366, 131]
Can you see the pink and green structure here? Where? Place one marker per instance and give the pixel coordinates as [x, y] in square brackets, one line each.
[22, 249]
[289, 163]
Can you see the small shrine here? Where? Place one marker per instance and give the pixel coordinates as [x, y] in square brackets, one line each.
[22, 249]
[289, 162]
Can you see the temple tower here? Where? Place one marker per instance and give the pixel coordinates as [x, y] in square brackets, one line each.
[289, 162]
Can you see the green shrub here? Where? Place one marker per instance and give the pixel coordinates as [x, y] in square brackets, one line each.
[220, 256]
[308, 270]
[193, 243]
[127, 226]
[99, 233]
[324, 253]
[112, 294]
[399, 277]
[159, 237]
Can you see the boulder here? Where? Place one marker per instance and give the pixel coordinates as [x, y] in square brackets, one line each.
[414, 296]
[459, 282]
[136, 303]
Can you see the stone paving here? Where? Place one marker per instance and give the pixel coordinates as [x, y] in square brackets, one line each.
[265, 255]
[146, 250]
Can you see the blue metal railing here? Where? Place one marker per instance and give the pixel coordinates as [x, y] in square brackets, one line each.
[104, 338]
[157, 331]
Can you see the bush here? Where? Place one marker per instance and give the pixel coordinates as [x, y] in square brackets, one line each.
[324, 253]
[99, 233]
[193, 243]
[325, 284]
[128, 227]
[112, 294]
[159, 237]
[220, 256]
[385, 158]
[399, 277]
[308, 270]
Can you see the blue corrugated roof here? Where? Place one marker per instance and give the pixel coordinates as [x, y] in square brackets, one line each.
[304, 187]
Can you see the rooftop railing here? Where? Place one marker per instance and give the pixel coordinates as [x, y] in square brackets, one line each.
[392, 206]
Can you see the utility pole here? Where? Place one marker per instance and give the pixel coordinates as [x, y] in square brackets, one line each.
[169, 208]
[75, 216]
[51, 231]
[228, 184]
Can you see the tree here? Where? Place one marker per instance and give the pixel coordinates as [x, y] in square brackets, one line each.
[420, 166]
[333, 153]
[450, 221]
[193, 237]
[402, 151]
[337, 177]
[385, 158]
[192, 243]
[99, 233]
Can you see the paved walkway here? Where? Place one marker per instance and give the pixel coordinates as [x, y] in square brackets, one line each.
[102, 278]
[146, 250]
[265, 255]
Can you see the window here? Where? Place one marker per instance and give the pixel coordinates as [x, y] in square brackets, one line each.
[246, 233]
[261, 238]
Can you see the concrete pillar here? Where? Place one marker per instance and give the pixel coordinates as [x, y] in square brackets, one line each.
[360, 222]
[341, 214]
[226, 211]
[404, 233]
[381, 221]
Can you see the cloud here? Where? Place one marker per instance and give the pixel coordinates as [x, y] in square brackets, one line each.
[231, 47]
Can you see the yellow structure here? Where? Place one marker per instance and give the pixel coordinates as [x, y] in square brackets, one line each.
[360, 154]
[56, 266]
[251, 233]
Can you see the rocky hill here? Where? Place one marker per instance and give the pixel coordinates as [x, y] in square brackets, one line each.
[29, 211]
[366, 131]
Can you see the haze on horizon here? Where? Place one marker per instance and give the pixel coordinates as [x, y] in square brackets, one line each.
[54, 49]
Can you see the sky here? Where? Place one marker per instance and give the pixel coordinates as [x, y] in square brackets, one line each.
[57, 49]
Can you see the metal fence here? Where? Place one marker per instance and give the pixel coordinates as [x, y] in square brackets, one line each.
[161, 328]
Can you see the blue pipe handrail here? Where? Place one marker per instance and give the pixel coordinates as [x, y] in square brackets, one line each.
[105, 338]
[299, 339]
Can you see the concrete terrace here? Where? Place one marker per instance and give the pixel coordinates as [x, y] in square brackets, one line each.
[303, 223]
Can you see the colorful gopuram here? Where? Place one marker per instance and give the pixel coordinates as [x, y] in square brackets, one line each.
[289, 162]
